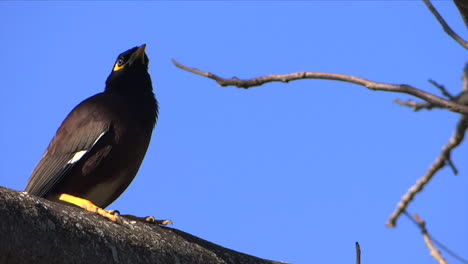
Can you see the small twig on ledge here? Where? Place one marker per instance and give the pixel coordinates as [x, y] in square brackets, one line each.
[358, 253]
[445, 26]
[375, 86]
[442, 89]
[439, 163]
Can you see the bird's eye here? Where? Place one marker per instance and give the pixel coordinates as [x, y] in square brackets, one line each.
[120, 64]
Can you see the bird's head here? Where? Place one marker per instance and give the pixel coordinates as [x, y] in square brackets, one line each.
[130, 71]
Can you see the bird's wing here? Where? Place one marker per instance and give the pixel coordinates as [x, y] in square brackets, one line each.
[77, 135]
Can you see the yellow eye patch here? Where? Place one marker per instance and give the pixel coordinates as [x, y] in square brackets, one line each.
[119, 65]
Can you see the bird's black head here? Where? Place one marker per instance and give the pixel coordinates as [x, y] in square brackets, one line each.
[130, 72]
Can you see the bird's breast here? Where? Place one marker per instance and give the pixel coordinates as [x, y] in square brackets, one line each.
[119, 163]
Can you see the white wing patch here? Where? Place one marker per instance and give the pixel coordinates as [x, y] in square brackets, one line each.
[78, 155]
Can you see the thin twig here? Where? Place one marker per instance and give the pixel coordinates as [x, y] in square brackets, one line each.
[443, 159]
[448, 251]
[358, 253]
[465, 78]
[439, 163]
[435, 253]
[462, 98]
[416, 106]
[376, 86]
[434, 240]
[445, 26]
[452, 166]
[442, 89]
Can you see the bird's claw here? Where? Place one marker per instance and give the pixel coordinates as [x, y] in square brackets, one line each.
[152, 220]
[114, 212]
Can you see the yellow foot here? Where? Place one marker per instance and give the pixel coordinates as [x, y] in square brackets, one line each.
[89, 206]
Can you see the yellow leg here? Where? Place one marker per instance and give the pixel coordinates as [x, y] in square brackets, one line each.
[89, 206]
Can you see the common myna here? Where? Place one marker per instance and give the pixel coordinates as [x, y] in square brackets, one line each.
[100, 145]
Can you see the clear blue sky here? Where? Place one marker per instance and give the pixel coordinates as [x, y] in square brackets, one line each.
[293, 172]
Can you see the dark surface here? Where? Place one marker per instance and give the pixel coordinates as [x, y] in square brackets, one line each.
[34, 230]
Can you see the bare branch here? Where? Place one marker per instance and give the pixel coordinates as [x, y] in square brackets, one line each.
[439, 163]
[462, 98]
[417, 221]
[358, 253]
[465, 78]
[435, 253]
[415, 105]
[445, 26]
[442, 89]
[375, 86]
[445, 156]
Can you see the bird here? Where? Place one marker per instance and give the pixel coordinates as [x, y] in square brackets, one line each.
[99, 147]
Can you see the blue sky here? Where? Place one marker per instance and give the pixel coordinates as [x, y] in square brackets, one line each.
[294, 172]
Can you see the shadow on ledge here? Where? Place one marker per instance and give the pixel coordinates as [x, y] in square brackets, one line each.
[34, 230]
